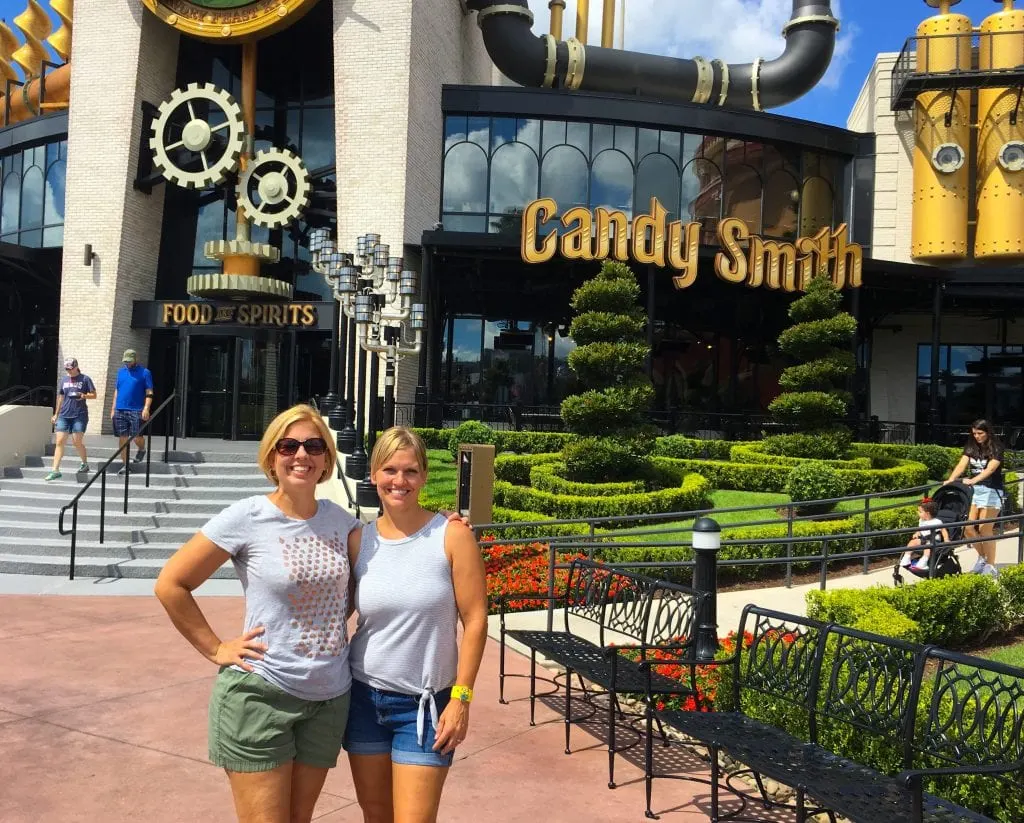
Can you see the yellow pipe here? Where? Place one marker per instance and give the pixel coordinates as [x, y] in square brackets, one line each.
[557, 9]
[582, 19]
[1000, 188]
[941, 196]
[249, 61]
[608, 25]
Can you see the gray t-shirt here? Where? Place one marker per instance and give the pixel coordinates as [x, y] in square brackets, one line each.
[295, 577]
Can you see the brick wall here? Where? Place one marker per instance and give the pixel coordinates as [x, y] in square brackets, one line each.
[123, 55]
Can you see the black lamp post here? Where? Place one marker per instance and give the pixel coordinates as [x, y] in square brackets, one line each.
[707, 540]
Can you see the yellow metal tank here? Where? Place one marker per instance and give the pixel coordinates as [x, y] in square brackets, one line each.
[941, 195]
[1000, 177]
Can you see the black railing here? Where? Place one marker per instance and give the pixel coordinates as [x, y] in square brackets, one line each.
[101, 474]
[916, 69]
[27, 396]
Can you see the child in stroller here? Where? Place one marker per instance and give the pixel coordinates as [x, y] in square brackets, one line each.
[928, 553]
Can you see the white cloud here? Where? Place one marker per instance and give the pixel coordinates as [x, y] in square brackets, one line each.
[737, 31]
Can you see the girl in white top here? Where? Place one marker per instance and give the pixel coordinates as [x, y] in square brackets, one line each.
[929, 531]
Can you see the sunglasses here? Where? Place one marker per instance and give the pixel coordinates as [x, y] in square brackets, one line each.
[289, 446]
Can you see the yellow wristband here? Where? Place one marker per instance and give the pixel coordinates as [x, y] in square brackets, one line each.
[463, 694]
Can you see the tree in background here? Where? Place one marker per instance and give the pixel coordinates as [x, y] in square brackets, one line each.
[814, 397]
[612, 440]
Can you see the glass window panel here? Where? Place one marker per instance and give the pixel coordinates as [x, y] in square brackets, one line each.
[209, 226]
[503, 130]
[604, 138]
[53, 237]
[692, 146]
[32, 239]
[658, 177]
[625, 141]
[611, 182]
[293, 128]
[743, 195]
[52, 153]
[314, 283]
[966, 401]
[466, 223]
[924, 361]
[702, 196]
[578, 135]
[465, 367]
[265, 119]
[465, 179]
[514, 177]
[318, 138]
[1005, 361]
[54, 205]
[9, 164]
[564, 177]
[479, 130]
[647, 142]
[554, 134]
[966, 360]
[781, 158]
[454, 131]
[781, 201]
[10, 203]
[924, 402]
[817, 201]
[1006, 400]
[671, 144]
[507, 371]
[528, 131]
[32, 199]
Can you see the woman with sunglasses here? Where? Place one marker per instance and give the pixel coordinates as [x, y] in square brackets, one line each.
[280, 703]
[416, 576]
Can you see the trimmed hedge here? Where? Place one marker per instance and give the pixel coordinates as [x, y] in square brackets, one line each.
[692, 494]
[689, 448]
[754, 453]
[504, 441]
[515, 468]
[940, 460]
[549, 477]
[472, 431]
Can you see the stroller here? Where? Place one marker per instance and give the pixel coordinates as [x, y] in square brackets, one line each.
[954, 502]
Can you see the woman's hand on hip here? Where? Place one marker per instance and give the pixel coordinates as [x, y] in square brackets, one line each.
[240, 650]
[452, 727]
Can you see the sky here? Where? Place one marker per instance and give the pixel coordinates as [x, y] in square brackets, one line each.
[741, 30]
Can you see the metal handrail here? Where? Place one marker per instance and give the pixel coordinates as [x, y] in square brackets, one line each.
[101, 474]
[26, 391]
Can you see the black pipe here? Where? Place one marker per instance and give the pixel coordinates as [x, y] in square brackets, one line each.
[527, 59]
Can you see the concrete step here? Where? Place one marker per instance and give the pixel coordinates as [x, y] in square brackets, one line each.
[90, 515]
[59, 492]
[38, 468]
[61, 547]
[93, 566]
[29, 530]
[99, 453]
[185, 501]
[171, 486]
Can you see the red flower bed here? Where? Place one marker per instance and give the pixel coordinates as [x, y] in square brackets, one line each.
[522, 569]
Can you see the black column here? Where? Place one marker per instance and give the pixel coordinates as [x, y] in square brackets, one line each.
[856, 382]
[374, 400]
[651, 299]
[347, 433]
[355, 466]
[934, 414]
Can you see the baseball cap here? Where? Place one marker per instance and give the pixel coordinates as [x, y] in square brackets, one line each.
[70, 363]
[129, 356]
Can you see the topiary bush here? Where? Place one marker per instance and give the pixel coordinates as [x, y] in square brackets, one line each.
[814, 480]
[814, 397]
[612, 440]
[472, 431]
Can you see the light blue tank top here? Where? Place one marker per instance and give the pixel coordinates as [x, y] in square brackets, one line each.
[405, 638]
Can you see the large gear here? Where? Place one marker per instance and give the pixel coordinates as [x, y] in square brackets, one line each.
[181, 136]
[275, 189]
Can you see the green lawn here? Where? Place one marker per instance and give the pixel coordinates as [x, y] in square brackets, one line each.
[1011, 655]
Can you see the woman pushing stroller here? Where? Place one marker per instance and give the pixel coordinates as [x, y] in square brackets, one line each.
[981, 468]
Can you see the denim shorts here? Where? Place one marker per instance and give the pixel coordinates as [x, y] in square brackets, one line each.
[382, 722]
[127, 422]
[985, 497]
[75, 425]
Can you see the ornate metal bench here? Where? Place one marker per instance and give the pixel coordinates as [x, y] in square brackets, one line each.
[627, 609]
[941, 714]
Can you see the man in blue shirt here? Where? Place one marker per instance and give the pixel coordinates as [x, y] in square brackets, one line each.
[130, 407]
[71, 415]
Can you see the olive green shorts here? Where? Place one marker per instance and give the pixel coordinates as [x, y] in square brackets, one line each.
[256, 726]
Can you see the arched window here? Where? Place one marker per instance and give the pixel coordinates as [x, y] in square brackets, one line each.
[817, 205]
[514, 178]
[702, 196]
[657, 176]
[11, 204]
[465, 179]
[781, 202]
[53, 204]
[563, 176]
[32, 198]
[743, 190]
[611, 182]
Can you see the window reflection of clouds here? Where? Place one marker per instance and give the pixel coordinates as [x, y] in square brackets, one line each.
[466, 190]
[611, 181]
[657, 176]
[564, 176]
[513, 177]
[54, 205]
[9, 211]
[32, 198]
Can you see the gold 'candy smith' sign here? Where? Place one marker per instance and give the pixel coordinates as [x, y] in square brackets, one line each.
[277, 315]
[649, 238]
[229, 19]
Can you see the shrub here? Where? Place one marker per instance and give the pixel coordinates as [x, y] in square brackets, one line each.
[755, 453]
[807, 340]
[605, 459]
[548, 477]
[434, 438]
[885, 619]
[824, 444]
[810, 409]
[472, 431]
[675, 445]
[814, 481]
[531, 442]
[602, 413]
[515, 468]
[1011, 581]
[939, 460]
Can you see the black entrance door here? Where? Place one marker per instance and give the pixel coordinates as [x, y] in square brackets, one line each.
[236, 384]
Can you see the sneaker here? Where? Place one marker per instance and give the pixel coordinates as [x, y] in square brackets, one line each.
[123, 471]
[920, 566]
[990, 570]
[906, 560]
[83, 467]
[53, 476]
[979, 566]
[140, 456]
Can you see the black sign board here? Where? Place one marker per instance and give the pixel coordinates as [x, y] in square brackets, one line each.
[294, 316]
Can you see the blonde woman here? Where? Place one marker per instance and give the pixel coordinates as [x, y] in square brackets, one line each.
[416, 576]
[280, 703]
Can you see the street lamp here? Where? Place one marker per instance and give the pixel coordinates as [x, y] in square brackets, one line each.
[707, 540]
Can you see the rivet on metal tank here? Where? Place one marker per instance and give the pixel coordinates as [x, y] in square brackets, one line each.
[941, 140]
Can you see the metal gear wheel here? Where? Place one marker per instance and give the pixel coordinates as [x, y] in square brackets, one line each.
[275, 189]
[192, 150]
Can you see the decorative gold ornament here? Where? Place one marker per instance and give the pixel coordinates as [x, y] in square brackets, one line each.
[8, 43]
[232, 20]
[35, 24]
[60, 40]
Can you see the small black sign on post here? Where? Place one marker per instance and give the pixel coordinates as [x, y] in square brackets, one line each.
[476, 482]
